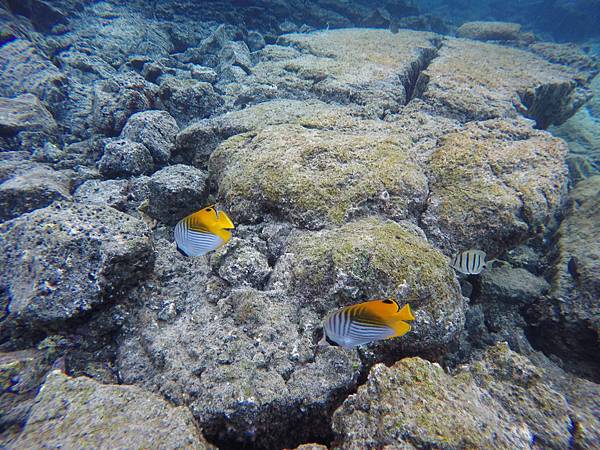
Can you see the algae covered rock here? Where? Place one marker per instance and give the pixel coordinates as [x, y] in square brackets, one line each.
[568, 324]
[493, 183]
[123, 158]
[365, 67]
[478, 81]
[490, 31]
[501, 401]
[371, 259]
[64, 260]
[314, 177]
[80, 412]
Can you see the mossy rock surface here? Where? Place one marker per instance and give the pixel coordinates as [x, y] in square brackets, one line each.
[492, 183]
[316, 177]
[501, 401]
[82, 413]
[370, 259]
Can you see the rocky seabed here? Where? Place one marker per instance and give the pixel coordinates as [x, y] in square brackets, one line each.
[351, 159]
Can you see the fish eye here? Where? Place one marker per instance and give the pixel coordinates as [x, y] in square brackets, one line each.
[389, 302]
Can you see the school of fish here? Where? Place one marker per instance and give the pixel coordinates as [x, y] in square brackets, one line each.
[208, 229]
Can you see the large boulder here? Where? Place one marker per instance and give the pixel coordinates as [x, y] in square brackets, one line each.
[33, 189]
[372, 259]
[188, 99]
[62, 261]
[490, 31]
[478, 81]
[310, 175]
[24, 70]
[156, 130]
[123, 158]
[245, 360]
[374, 69]
[492, 184]
[568, 324]
[176, 191]
[502, 400]
[26, 119]
[80, 412]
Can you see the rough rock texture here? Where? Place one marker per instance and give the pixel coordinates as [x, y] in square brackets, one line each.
[33, 189]
[568, 325]
[512, 285]
[309, 175]
[478, 81]
[187, 100]
[113, 193]
[502, 400]
[176, 191]
[490, 31]
[27, 119]
[156, 130]
[62, 261]
[23, 70]
[491, 184]
[374, 69]
[371, 259]
[123, 158]
[241, 358]
[80, 412]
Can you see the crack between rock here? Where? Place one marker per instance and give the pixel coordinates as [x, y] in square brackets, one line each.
[415, 80]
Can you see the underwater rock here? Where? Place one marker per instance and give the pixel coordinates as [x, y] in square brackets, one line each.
[568, 324]
[64, 260]
[33, 189]
[240, 263]
[490, 31]
[202, 73]
[459, 84]
[249, 368]
[370, 259]
[156, 130]
[236, 54]
[24, 70]
[115, 100]
[25, 113]
[80, 412]
[123, 158]
[255, 41]
[512, 285]
[307, 174]
[492, 184]
[176, 191]
[42, 15]
[104, 192]
[500, 401]
[188, 100]
[326, 62]
[567, 54]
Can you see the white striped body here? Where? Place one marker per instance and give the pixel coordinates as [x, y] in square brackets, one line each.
[195, 242]
[348, 331]
[470, 262]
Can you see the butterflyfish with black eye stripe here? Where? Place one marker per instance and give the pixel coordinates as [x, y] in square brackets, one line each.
[470, 262]
[203, 231]
[367, 322]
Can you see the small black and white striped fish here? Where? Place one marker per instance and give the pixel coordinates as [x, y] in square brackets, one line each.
[367, 322]
[202, 231]
[470, 262]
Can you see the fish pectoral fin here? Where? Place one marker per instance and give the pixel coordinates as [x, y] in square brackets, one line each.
[405, 313]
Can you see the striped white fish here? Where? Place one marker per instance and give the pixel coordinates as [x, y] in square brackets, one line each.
[367, 322]
[470, 262]
[203, 231]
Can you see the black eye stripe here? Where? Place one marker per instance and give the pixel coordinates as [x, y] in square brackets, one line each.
[389, 302]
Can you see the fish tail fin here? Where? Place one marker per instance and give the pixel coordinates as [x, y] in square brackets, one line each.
[400, 327]
[405, 313]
